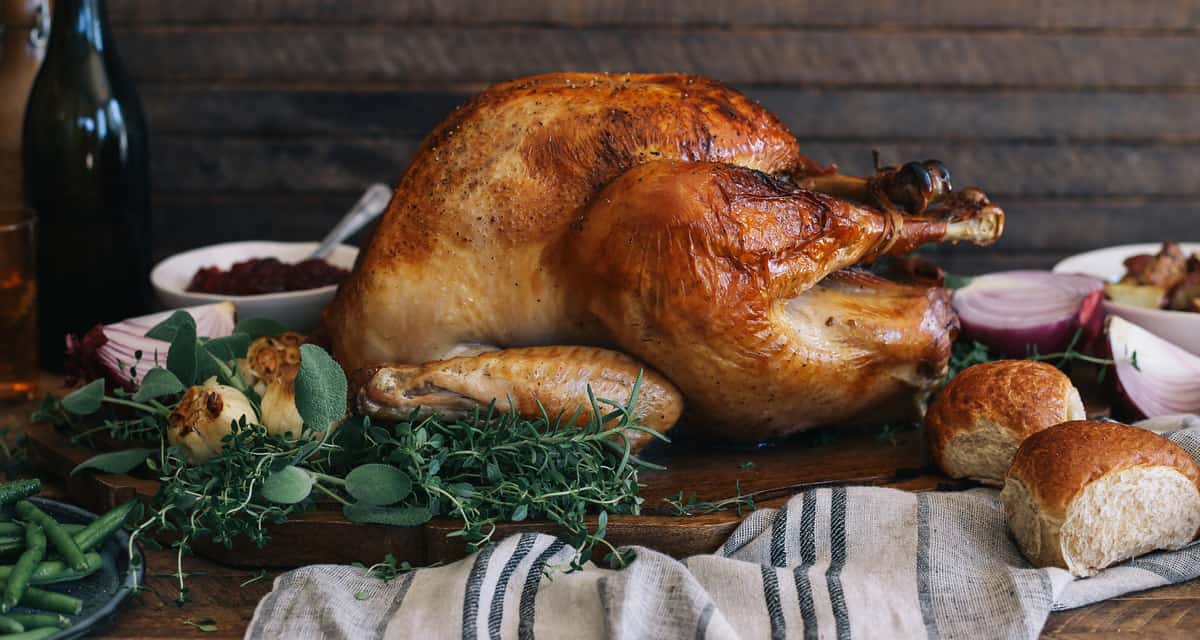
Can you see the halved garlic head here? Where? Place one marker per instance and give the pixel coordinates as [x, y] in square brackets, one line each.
[204, 416]
[271, 358]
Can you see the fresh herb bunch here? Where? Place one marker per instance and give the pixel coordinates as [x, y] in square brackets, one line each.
[483, 469]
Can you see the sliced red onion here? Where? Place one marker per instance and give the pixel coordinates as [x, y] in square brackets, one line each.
[1014, 311]
[110, 351]
[1156, 377]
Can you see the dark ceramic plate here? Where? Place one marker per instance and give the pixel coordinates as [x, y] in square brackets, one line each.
[104, 591]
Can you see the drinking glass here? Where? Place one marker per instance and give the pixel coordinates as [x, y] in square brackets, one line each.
[18, 306]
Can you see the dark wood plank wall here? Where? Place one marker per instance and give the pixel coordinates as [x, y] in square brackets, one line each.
[1081, 117]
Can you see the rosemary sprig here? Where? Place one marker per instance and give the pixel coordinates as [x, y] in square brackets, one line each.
[693, 506]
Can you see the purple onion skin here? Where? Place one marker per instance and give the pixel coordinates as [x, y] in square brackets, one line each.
[1122, 406]
[1019, 343]
[83, 363]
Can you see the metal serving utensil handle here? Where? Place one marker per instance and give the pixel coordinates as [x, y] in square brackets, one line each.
[369, 206]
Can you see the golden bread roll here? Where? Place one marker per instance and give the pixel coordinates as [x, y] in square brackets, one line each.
[1086, 495]
[984, 414]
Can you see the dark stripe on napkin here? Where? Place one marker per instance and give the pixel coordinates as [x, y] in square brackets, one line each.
[471, 595]
[837, 560]
[529, 592]
[705, 618]
[496, 613]
[808, 556]
[774, 606]
[924, 589]
[779, 538]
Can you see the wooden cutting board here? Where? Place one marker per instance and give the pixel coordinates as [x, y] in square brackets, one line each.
[770, 474]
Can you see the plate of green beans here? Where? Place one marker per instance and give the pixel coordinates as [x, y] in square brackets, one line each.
[64, 571]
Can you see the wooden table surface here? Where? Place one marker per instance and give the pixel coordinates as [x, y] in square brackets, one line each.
[226, 596]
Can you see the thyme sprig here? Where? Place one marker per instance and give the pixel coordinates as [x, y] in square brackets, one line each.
[693, 506]
[966, 354]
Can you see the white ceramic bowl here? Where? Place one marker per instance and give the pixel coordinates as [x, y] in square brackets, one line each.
[1179, 327]
[299, 310]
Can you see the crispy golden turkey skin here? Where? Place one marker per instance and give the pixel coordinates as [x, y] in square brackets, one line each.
[672, 219]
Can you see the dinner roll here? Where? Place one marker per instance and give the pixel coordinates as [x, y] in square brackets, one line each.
[984, 414]
[1086, 495]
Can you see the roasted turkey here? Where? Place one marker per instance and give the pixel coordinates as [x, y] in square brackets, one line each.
[556, 219]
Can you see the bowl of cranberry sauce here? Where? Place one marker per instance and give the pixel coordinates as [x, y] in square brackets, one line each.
[274, 280]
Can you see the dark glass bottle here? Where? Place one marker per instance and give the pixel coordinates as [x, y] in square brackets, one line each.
[86, 171]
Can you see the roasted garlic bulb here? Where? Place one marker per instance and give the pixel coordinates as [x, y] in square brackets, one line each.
[270, 368]
[204, 416]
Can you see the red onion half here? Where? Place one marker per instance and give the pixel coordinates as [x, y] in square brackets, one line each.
[1012, 312]
[1156, 377]
[110, 351]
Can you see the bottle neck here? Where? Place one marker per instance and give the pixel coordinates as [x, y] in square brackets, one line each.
[79, 22]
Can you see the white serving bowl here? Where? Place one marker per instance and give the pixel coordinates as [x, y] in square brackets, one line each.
[299, 310]
[1179, 327]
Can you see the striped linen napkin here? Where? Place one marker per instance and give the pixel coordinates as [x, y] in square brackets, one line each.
[857, 562]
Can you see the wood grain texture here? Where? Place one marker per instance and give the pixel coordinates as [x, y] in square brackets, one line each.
[852, 114]
[440, 56]
[1004, 170]
[1067, 14]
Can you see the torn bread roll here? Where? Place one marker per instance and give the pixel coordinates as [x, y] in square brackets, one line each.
[1085, 495]
[980, 418]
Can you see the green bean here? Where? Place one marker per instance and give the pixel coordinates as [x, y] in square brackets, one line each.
[52, 601]
[12, 546]
[36, 634]
[13, 491]
[8, 625]
[55, 532]
[100, 528]
[53, 571]
[41, 620]
[17, 530]
[18, 578]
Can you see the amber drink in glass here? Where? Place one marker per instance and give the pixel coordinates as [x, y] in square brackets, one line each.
[18, 306]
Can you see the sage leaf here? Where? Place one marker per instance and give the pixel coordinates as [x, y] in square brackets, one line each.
[181, 357]
[258, 327]
[230, 347]
[320, 388]
[157, 382]
[289, 485]
[168, 329]
[85, 400]
[122, 461]
[520, 513]
[206, 366]
[378, 484]
[395, 516]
